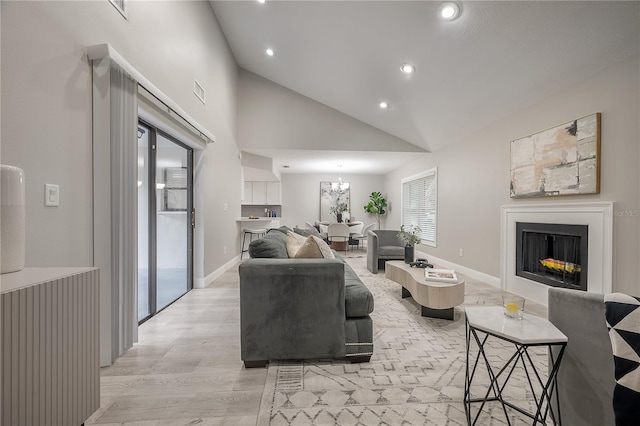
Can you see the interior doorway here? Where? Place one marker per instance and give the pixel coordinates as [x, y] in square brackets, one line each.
[165, 220]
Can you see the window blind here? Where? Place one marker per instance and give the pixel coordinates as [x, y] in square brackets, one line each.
[419, 204]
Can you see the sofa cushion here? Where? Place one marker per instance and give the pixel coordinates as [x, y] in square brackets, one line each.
[272, 245]
[386, 251]
[358, 300]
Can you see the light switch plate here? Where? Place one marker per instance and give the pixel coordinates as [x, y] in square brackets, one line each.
[51, 195]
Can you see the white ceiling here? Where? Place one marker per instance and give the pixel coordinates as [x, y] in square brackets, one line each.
[497, 58]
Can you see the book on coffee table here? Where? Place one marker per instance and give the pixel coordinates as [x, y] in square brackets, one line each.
[443, 275]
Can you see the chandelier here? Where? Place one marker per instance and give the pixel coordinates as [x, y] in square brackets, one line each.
[339, 185]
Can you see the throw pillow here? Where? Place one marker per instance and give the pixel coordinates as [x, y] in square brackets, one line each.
[294, 242]
[315, 248]
[623, 321]
[307, 232]
[299, 238]
[301, 231]
[326, 251]
[313, 231]
[309, 250]
[292, 245]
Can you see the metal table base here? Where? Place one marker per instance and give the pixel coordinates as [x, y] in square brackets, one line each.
[499, 380]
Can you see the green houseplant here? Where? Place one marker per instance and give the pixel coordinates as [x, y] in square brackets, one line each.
[338, 209]
[376, 206]
[409, 236]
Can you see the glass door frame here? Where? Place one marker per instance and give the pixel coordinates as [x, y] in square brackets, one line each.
[152, 216]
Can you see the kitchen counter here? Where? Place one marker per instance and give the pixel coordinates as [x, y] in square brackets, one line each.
[260, 223]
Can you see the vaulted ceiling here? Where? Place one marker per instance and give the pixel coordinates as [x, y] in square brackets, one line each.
[495, 59]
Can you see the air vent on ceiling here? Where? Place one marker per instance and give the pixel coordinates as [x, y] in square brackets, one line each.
[198, 90]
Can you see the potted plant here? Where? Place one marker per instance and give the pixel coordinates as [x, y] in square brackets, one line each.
[409, 236]
[376, 206]
[338, 209]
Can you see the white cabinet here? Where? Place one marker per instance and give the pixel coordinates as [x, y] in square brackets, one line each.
[273, 193]
[248, 193]
[259, 193]
[262, 193]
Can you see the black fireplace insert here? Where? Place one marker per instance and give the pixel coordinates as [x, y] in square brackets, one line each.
[553, 254]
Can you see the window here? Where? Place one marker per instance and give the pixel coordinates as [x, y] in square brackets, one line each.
[420, 204]
[121, 6]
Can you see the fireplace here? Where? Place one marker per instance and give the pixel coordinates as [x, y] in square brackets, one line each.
[596, 215]
[553, 254]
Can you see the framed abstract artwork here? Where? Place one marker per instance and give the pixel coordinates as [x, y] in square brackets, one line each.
[563, 160]
[335, 197]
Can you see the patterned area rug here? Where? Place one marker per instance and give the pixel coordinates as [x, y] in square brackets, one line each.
[415, 377]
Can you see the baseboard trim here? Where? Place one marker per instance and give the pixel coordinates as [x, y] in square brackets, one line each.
[203, 282]
[477, 275]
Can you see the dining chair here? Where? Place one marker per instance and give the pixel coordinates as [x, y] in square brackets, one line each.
[324, 230]
[339, 233]
[362, 236]
[355, 228]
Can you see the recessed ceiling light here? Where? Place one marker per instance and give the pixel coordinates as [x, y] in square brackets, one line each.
[270, 52]
[407, 68]
[262, 1]
[449, 11]
[383, 105]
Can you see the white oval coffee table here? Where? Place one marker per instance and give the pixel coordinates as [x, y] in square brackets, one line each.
[437, 299]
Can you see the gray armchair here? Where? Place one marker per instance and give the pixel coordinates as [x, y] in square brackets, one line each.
[383, 245]
[586, 377]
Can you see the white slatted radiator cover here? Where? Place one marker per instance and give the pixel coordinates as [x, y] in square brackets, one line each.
[50, 346]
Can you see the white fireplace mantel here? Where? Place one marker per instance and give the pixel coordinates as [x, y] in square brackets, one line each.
[597, 215]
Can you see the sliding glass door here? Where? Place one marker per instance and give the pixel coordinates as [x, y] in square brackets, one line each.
[144, 279]
[165, 227]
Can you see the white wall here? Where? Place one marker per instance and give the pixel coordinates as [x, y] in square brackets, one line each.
[301, 196]
[46, 109]
[46, 118]
[473, 174]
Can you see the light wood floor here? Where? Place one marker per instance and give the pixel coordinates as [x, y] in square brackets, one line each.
[186, 367]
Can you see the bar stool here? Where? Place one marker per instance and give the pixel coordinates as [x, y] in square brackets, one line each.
[259, 232]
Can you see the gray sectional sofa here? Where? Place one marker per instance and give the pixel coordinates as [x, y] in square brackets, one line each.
[301, 308]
